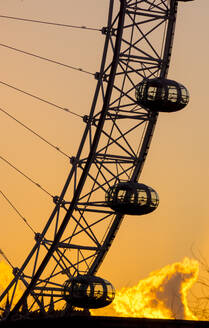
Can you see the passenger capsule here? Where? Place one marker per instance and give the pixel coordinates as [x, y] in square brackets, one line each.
[132, 198]
[90, 292]
[161, 95]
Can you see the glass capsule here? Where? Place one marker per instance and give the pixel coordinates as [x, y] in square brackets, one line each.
[132, 198]
[161, 95]
[90, 292]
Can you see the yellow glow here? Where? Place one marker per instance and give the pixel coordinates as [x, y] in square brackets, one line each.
[6, 277]
[163, 294]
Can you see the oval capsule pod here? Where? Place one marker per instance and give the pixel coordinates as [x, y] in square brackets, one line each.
[132, 198]
[90, 292]
[161, 95]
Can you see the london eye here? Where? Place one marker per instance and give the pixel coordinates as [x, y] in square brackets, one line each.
[103, 183]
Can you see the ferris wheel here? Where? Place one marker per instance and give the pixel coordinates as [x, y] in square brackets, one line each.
[103, 184]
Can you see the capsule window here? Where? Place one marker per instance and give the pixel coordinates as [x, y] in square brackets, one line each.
[121, 195]
[163, 94]
[80, 290]
[98, 291]
[88, 290]
[132, 198]
[152, 92]
[142, 197]
[154, 199]
[143, 89]
[110, 291]
[172, 94]
[184, 95]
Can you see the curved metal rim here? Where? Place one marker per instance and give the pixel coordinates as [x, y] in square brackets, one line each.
[87, 166]
[139, 165]
[146, 142]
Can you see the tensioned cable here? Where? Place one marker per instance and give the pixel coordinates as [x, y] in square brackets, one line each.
[16, 210]
[6, 258]
[27, 177]
[32, 131]
[41, 99]
[46, 59]
[51, 23]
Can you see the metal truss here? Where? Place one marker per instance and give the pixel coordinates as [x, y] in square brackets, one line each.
[114, 146]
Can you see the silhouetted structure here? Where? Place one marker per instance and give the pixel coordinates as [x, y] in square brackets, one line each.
[80, 224]
[104, 322]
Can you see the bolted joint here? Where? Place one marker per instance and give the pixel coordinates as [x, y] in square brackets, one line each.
[87, 119]
[74, 161]
[38, 237]
[56, 200]
[15, 271]
[100, 76]
[110, 31]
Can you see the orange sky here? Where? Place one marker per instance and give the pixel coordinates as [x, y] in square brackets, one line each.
[178, 162]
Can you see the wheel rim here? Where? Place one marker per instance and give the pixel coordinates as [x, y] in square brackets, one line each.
[81, 228]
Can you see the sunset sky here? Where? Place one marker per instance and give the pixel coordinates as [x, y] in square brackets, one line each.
[177, 165]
